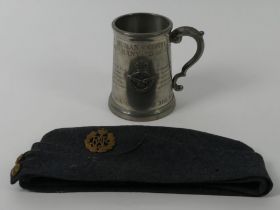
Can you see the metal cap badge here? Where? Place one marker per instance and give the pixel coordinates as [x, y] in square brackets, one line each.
[100, 141]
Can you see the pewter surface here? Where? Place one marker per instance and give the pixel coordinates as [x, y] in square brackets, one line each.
[142, 64]
[142, 86]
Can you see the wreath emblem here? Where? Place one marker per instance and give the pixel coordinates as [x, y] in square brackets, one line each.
[100, 141]
[141, 74]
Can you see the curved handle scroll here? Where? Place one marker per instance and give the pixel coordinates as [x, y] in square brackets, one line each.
[176, 37]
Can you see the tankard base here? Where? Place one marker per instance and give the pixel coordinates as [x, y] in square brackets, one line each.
[141, 116]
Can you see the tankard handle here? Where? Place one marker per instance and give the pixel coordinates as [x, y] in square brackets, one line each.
[176, 37]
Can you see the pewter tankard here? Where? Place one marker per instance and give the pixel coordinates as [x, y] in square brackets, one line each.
[142, 87]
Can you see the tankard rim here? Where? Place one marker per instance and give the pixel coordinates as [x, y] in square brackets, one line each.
[166, 29]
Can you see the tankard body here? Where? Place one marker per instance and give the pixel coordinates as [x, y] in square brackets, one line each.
[142, 86]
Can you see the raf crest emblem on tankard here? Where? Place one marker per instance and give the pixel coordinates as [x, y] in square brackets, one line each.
[141, 74]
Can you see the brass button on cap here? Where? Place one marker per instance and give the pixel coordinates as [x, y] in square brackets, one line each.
[15, 170]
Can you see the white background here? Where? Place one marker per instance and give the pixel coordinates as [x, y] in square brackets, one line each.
[56, 67]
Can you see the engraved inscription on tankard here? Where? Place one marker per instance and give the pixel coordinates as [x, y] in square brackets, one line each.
[142, 80]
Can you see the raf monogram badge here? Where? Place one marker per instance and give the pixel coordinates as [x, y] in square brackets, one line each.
[100, 141]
